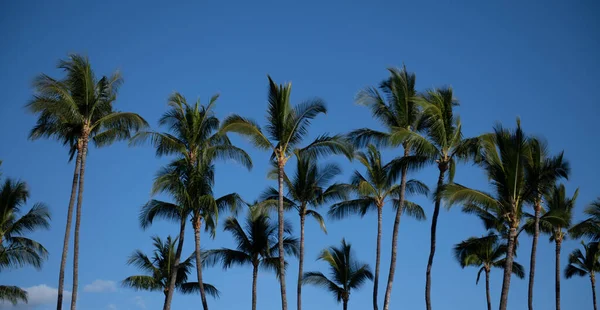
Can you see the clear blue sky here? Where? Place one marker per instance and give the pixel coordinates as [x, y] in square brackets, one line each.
[538, 61]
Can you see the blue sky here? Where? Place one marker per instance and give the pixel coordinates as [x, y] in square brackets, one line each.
[535, 60]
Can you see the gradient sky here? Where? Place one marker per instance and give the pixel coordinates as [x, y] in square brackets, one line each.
[538, 61]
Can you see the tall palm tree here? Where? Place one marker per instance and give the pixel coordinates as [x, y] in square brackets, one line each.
[75, 110]
[158, 269]
[372, 192]
[503, 157]
[582, 264]
[484, 253]
[541, 172]
[556, 218]
[286, 129]
[257, 246]
[193, 138]
[589, 227]
[346, 273]
[397, 110]
[308, 189]
[16, 250]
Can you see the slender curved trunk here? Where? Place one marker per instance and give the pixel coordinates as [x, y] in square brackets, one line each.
[345, 304]
[63, 260]
[510, 252]
[197, 225]
[281, 163]
[254, 278]
[557, 272]
[436, 212]
[388, 291]
[175, 266]
[487, 289]
[377, 257]
[536, 235]
[166, 294]
[593, 280]
[301, 258]
[84, 148]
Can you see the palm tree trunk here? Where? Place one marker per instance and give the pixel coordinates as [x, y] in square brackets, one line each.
[175, 266]
[197, 224]
[166, 297]
[63, 260]
[536, 234]
[280, 237]
[508, 268]
[436, 213]
[557, 273]
[388, 291]
[487, 289]
[345, 304]
[84, 148]
[301, 258]
[377, 257]
[254, 279]
[593, 280]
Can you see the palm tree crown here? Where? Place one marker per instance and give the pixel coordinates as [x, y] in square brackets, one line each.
[589, 227]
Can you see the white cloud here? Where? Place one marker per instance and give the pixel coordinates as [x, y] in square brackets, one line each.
[99, 286]
[111, 307]
[39, 295]
[139, 301]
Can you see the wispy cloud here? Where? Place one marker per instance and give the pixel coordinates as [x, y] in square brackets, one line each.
[139, 302]
[39, 295]
[111, 307]
[99, 286]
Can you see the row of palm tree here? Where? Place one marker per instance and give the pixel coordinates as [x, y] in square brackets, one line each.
[79, 108]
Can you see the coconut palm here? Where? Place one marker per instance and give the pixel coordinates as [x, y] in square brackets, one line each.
[372, 192]
[347, 273]
[192, 136]
[541, 172]
[76, 110]
[157, 270]
[308, 189]
[484, 253]
[257, 245]
[286, 129]
[589, 227]
[503, 157]
[397, 110]
[16, 250]
[582, 264]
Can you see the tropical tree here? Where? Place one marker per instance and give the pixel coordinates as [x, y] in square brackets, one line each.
[372, 192]
[582, 264]
[286, 129]
[484, 253]
[397, 110]
[589, 227]
[308, 189]
[503, 157]
[541, 172]
[76, 110]
[346, 273]
[157, 270]
[194, 140]
[16, 250]
[257, 245]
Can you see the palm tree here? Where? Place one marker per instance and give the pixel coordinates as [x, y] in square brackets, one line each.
[286, 129]
[503, 157]
[581, 264]
[372, 192]
[194, 139]
[557, 217]
[542, 171]
[589, 227]
[346, 273]
[158, 270]
[307, 190]
[257, 246]
[16, 250]
[76, 110]
[484, 253]
[397, 110]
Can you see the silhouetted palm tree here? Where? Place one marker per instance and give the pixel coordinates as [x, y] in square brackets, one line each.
[589, 227]
[346, 273]
[485, 253]
[582, 264]
[256, 246]
[286, 129]
[77, 110]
